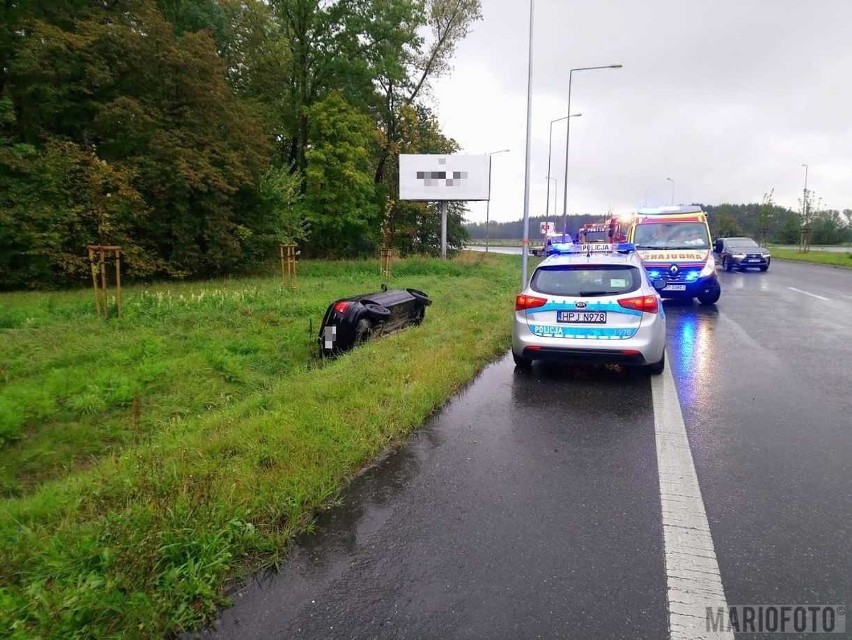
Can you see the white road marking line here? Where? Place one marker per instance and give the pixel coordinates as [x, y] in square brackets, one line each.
[845, 296]
[692, 572]
[813, 295]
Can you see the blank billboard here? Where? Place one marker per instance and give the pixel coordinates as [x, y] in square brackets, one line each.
[451, 177]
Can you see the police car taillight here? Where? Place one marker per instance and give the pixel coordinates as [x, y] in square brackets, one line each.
[647, 304]
[523, 301]
[341, 307]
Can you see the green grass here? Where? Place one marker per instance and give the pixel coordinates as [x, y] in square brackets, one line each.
[115, 524]
[816, 256]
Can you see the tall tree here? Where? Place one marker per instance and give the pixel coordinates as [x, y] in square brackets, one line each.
[401, 84]
[119, 85]
[340, 200]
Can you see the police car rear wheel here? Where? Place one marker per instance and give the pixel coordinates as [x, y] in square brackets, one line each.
[521, 362]
[657, 368]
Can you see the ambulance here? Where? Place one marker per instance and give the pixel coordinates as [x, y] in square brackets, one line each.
[674, 245]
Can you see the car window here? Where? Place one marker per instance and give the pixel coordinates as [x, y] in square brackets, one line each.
[671, 235]
[586, 280]
[595, 236]
[743, 244]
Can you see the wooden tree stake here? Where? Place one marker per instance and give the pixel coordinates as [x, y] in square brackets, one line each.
[287, 252]
[97, 262]
[385, 267]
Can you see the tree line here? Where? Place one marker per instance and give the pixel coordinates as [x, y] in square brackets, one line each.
[780, 225]
[200, 134]
[761, 220]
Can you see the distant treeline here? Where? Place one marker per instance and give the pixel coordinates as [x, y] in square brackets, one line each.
[200, 134]
[777, 224]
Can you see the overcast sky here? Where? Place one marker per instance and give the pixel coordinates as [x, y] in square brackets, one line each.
[726, 97]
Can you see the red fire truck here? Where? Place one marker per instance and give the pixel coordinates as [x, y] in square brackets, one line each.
[611, 231]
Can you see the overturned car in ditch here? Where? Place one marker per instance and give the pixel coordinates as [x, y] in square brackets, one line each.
[350, 321]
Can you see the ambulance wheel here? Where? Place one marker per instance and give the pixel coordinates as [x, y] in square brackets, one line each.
[711, 297]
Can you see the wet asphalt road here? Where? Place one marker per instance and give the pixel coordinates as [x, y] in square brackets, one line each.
[530, 506]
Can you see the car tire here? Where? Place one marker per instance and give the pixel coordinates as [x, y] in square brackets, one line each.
[726, 264]
[363, 331]
[522, 363]
[421, 314]
[376, 312]
[420, 296]
[712, 297]
[764, 268]
[657, 368]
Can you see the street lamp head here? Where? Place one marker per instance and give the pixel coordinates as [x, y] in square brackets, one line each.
[501, 151]
[575, 115]
[669, 179]
[616, 66]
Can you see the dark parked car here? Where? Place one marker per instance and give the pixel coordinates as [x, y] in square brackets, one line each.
[742, 253]
[351, 321]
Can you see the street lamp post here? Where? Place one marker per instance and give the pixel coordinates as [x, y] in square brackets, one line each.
[549, 146]
[488, 202]
[673, 188]
[568, 140]
[525, 247]
[555, 194]
[805, 233]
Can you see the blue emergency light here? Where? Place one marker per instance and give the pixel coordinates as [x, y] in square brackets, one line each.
[571, 248]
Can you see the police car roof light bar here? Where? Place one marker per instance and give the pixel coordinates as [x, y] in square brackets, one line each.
[571, 248]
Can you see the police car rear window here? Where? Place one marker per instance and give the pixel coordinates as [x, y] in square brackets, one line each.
[586, 280]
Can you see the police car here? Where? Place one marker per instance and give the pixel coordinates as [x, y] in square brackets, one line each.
[553, 242]
[591, 303]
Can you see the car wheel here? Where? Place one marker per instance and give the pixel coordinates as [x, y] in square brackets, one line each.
[657, 368]
[418, 318]
[765, 268]
[726, 264]
[377, 312]
[363, 331]
[420, 296]
[522, 363]
[712, 296]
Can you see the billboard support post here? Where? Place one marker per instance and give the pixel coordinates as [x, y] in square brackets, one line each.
[444, 178]
[443, 205]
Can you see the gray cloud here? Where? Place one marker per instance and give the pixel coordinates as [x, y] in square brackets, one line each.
[727, 97]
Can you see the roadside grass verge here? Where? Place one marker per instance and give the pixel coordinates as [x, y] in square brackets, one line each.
[834, 258]
[139, 539]
[74, 388]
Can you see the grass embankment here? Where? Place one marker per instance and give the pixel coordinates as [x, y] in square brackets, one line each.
[834, 258]
[124, 521]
